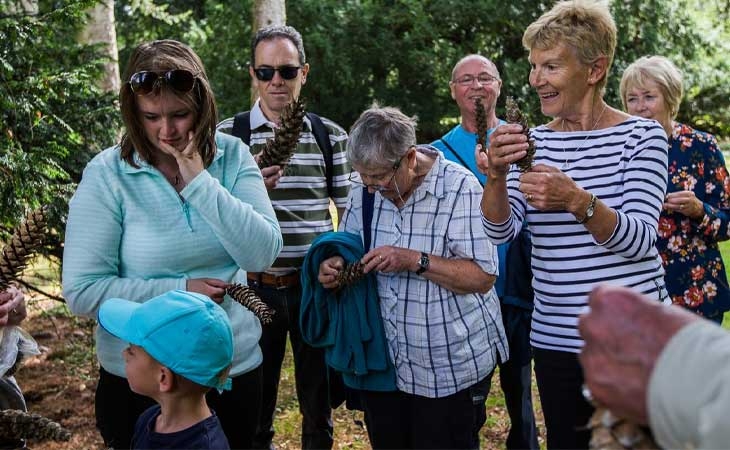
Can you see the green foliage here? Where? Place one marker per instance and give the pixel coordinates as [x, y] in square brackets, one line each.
[53, 119]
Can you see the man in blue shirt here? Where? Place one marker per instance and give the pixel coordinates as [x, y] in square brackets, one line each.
[474, 78]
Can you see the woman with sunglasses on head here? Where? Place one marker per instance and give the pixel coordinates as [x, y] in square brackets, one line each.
[174, 206]
[592, 199]
[435, 271]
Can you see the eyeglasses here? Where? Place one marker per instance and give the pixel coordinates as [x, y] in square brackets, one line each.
[267, 73]
[145, 82]
[379, 185]
[482, 78]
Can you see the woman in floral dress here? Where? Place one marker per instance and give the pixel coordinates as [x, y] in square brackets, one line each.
[696, 211]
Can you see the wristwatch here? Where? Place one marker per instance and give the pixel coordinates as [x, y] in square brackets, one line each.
[423, 263]
[589, 210]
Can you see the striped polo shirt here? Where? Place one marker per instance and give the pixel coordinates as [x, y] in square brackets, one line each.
[300, 199]
[625, 166]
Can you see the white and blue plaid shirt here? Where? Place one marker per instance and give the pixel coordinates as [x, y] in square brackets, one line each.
[440, 342]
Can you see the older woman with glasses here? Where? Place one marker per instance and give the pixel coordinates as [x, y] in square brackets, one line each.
[435, 274]
[174, 206]
[696, 212]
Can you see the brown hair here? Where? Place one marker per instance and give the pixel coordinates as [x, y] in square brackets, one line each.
[586, 26]
[161, 56]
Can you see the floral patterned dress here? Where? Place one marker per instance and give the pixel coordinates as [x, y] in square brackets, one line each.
[695, 273]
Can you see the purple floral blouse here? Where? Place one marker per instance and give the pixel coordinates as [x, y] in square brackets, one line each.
[695, 273]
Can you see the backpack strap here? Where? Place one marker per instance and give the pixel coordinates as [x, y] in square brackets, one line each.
[368, 202]
[458, 156]
[322, 136]
[242, 127]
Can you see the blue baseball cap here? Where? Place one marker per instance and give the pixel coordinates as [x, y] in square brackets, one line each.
[184, 331]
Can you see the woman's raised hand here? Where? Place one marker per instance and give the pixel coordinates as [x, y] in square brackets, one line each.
[506, 145]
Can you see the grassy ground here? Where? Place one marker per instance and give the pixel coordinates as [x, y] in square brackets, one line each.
[349, 431]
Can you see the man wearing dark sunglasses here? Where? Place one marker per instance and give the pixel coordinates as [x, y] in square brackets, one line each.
[300, 193]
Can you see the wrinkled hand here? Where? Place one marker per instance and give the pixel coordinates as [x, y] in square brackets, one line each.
[389, 259]
[12, 306]
[624, 334]
[188, 159]
[506, 145]
[684, 202]
[482, 159]
[547, 188]
[212, 287]
[271, 175]
[328, 270]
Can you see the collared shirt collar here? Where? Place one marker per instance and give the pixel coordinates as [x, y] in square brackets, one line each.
[258, 119]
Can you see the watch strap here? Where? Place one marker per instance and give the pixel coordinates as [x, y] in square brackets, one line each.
[589, 210]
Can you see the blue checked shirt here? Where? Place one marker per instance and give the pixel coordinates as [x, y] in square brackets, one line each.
[440, 342]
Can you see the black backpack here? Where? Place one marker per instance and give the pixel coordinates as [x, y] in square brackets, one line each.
[242, 130]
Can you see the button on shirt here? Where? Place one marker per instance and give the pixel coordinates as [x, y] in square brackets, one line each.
[440, 342]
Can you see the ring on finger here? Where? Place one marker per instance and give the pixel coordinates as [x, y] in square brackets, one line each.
[528, 196]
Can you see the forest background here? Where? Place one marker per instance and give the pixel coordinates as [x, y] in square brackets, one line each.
[55, 114]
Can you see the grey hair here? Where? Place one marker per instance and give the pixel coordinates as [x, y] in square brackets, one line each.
[380, 136]
[276, 32]
[663, 72]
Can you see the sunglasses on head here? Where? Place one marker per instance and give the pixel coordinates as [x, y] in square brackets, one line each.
[267, 73]
[145, 82]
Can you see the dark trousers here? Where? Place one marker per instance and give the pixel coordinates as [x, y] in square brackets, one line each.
[117, 409]
[515, 378]
[559, 380]
[310, 373]
[397, 420]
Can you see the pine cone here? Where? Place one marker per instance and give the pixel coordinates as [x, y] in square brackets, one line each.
[482, 126]
[26, 239]
[16, 424]
[279, 150]
[514, 115]
[351, 274]
[609, 432]
[248, 298]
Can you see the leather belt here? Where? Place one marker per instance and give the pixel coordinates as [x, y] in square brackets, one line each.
[263, 279]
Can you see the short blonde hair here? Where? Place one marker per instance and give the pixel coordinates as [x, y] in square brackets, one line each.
[585, 25]
[659, 70]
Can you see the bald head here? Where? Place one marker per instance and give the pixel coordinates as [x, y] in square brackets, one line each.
[470, 58]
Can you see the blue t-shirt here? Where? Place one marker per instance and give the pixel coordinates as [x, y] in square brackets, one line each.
[464, 143]
[206, 434]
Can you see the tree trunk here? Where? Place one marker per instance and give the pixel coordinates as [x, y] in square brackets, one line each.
[265, 13]
[101, 29]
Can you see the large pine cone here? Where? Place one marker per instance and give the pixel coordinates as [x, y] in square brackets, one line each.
[280, 150]
[351, 274]
[514, 115]
[26, 239]
[16, 424]
[248, 298]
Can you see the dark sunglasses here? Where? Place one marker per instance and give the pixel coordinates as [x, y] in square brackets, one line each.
[267, 73]
[145, 82]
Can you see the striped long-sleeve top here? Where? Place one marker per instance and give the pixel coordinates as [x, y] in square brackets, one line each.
[625, 166]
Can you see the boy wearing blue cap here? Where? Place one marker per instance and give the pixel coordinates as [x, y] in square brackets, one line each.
[181, 345]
